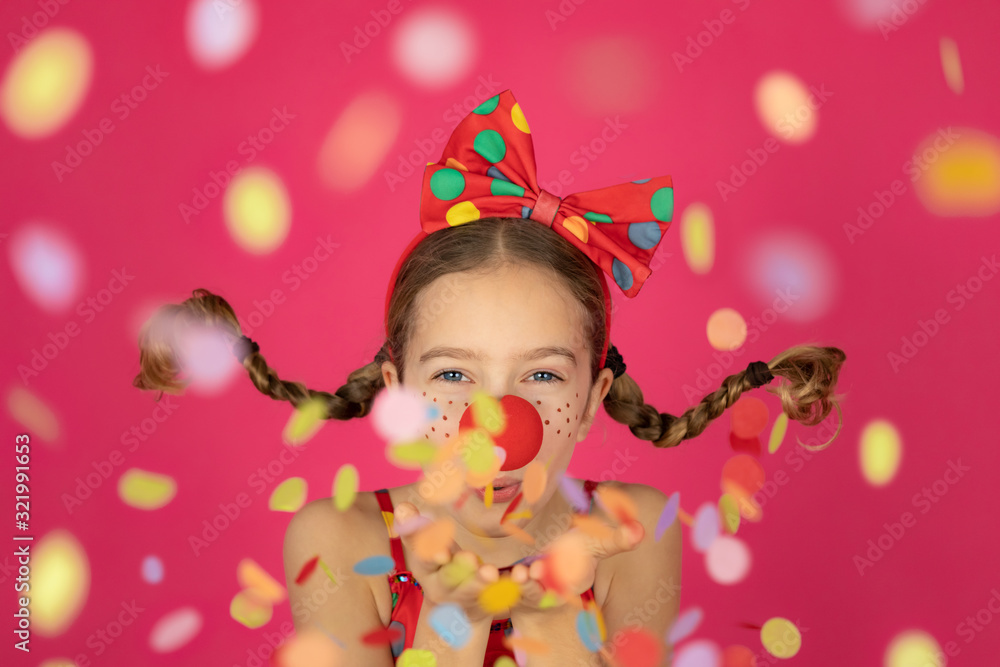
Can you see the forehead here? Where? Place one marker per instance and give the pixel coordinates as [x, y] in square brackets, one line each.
[498, 313]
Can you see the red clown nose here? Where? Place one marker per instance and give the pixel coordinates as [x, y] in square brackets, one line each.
[521, 438]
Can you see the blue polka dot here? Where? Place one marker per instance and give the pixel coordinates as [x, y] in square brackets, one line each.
[375, 565]
[622, 274]
[644, 180]
[525, 212]
[496, 173]
[586, 628]
[152, 569]
[451, 623]
[397, 646]
[644, 235]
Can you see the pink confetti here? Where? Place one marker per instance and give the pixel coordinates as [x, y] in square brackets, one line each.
[669, 514]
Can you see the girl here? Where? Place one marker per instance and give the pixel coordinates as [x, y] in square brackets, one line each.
[484, 299]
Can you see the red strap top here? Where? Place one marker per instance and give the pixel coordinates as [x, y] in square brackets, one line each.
[407, 595]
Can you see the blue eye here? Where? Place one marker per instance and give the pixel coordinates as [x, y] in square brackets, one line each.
[553, 379]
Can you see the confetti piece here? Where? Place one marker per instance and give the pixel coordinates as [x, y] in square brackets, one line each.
[951, 63]
[249, 610]
[455, 572]
[146, 490]
[729, 513]
[411, 455]
[777, 433]
[434, 538]
[33, 413]
[329, 575]
[504, 661]
[706, 527]
[574, 494]
[685, 623]
[668, 515]
[697, 653]
[549, 599]
[374, 565]
[586, 628]
[519, 533]
[380, 636]
[252, 576]
[410, 525]
[534, 482]
[738, 656]
[526, 514]
[499, 595]
[398, 414]
[749, 508]
[487, 413]
[726, 329]
[152, 569]
[749, 416]
[638, 647]
[478, 452]
[880, 452]
[745, 471]
[289, 496]
[488, 495]
[345, 487]
[175, 630]
[305, 421]
[308, 646]
[616, 503]
[749, 446]
[60, 582]
[912, 648]
[527, 644]
[593, 526]
[569, 560]
[442, 483]
[962, 179]
[515, 501]
[727, 560]
[780, 637]
[306, 570]
[451, 624]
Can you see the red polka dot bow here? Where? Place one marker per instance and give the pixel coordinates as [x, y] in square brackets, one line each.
[488, 169]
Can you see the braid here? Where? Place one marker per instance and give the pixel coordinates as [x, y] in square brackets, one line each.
[806, 396]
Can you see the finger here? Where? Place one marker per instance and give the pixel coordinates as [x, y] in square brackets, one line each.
[519, 574]
[489, 573]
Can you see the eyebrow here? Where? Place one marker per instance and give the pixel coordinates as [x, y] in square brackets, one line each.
[462, 353]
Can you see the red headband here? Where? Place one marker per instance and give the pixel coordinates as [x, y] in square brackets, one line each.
[488, 169]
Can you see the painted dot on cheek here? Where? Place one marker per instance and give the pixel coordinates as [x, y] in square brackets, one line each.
[538, 402]
[546, 422]
[567, 405]
[558, 409]
[445, 417]
[558, 431]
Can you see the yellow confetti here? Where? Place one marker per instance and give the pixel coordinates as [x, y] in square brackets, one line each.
[499, 595]
[251, 611]
[517, 532]
[504, 661]
[698, 237]
[146, 490]
[912, 648]
[750, 509]
[60, 582]
[345, 487]
[488, 495]
[777, 433]
[729, 512]
[418, 657]
[526, 514]
[454, 572]
[289, 496]
[487, 413]
[534, 482]
[478, 452]
[411, 455]
[305, 421]
[780, 637]
[256, 579]
[550, 599]
[881, 450]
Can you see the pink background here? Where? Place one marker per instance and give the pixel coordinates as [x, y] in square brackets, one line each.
[120, 208]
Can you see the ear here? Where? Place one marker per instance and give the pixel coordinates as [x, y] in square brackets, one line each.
[390, 375]
[598, 391]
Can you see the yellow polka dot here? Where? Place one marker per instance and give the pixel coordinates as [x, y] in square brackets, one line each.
[780, 637]
[461, 213]
[957, 172]
[454, 164]
[578, 226]
[520, 121]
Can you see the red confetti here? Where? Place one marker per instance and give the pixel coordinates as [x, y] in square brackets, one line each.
[639, 648]
[307, 569]
[749, 446]
[382, 636]
[510, 508]
[749, 416]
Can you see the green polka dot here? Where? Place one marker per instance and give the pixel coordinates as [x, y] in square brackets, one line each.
[447, 184]
[597, 217]
[498, 186]
[662, 204]
[488, 106]
[490, 145]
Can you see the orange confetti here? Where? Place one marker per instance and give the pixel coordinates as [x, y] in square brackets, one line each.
[593, 526]
[526, 644]
[517, 532]
[253, 577]
[434, 538]
[749, 417]
[569, 559]
[617, 503]
[441, 484]
[534, 482]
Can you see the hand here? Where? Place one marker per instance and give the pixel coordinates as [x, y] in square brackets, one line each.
[536, 579]
[452, 576]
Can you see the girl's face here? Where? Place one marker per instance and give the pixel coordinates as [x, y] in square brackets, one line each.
[517, 332]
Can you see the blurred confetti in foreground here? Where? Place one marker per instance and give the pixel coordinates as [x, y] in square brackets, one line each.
[48, 267]
[258, 211]
[33, 414]
[359, 140]
[60, 582]
[957, 172]
[219, 33]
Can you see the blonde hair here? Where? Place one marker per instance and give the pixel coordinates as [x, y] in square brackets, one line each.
[809, 373]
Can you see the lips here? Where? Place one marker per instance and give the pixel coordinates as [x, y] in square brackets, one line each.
[501, 482]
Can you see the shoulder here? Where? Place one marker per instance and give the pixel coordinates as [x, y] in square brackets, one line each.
[320, 522]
